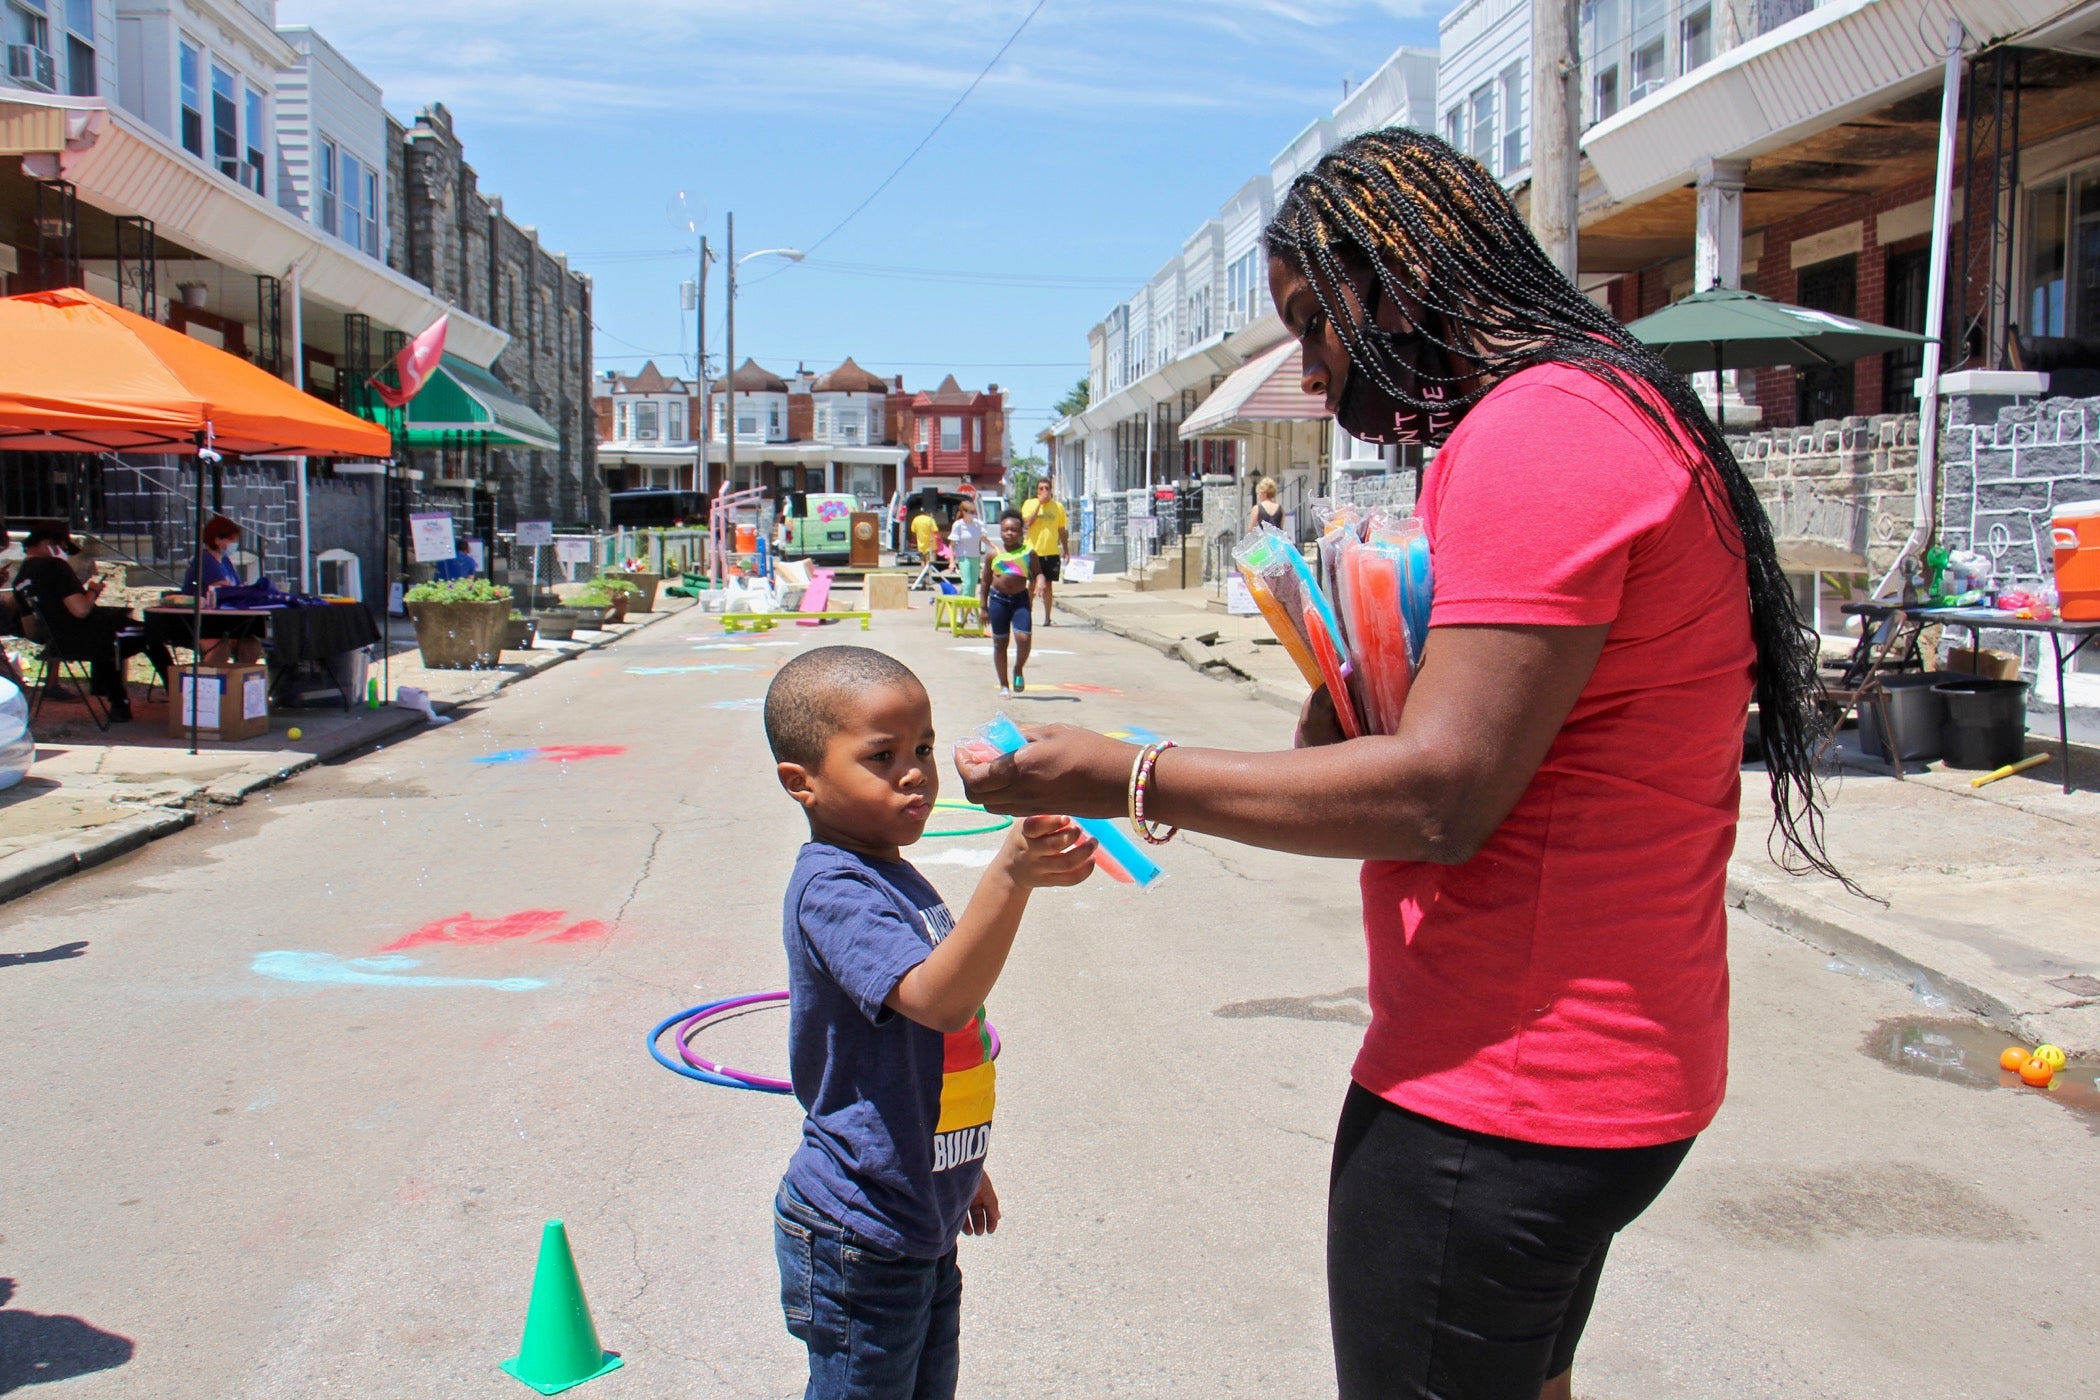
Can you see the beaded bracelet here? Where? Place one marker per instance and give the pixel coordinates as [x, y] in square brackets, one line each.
[1140, 787]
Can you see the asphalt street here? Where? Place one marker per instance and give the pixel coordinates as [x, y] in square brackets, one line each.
[288, 1118]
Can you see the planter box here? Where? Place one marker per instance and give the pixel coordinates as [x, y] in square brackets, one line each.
[648, 583]
[519, 634]
[556, 624]
[457, 636]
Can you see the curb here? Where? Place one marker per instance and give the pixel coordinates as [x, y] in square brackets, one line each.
[1190, 655]
[27, 871]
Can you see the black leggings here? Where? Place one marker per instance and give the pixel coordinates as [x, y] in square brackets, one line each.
[1462, 1266]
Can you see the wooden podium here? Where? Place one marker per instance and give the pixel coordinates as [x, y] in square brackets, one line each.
[866, 542]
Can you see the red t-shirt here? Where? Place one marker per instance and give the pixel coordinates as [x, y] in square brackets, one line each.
[1569, 984]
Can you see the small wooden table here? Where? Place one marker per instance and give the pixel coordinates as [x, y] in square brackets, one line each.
[961, 613]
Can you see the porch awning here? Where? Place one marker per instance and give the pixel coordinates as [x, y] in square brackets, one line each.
[466, 404]
[1264, 390]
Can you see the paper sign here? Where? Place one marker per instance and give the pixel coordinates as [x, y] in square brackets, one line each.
[394, 605]
[200, 700]
[573, 549]
[255, 696]
[431, 535]
[535, 532]
[1238, 601]
[1079, 570]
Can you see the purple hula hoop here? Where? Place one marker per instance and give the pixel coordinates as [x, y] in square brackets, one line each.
[692, 1025]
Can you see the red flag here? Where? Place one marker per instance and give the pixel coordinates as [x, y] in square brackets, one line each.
[414, 364]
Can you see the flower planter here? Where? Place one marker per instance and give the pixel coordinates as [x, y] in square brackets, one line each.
[556, 624]
[645, 602]
[620, 603]
[521, 634]
[460, 635]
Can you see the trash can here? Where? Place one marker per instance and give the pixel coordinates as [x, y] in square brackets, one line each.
[1916, 713]
[1986, 724]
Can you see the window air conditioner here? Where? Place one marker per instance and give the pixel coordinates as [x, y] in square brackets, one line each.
[26, 63]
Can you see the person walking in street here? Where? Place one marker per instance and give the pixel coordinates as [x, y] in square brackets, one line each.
[925, 534]
[1545, 840]
[1266, 511]
[1004, 597]
[1047, 538]
[966, 539]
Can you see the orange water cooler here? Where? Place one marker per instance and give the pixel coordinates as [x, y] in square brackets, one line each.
[746, 538]
[2074, 531]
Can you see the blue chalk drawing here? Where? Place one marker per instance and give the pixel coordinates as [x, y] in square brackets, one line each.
[1134, 734]
[709, 668]
[326, 969]
[507, 756]
[749, 702]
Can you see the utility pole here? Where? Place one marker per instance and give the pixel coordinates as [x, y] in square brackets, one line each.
[729, 365]
[706, 418]
[1556, 126]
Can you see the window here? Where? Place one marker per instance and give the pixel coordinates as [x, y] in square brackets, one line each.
[823, 422]
[776, 421]
[619, 420]
[372, 244]
[191, 68]
[1163, 340]
[80, 18]
[324, 202]
[977, 435]
[1512, 119]
[746, 423]
[923, 424]
[225, 123]
[252, 176]
[350, 189]
[849, 423]
[80, 67]
[1649, 68]
[1696, 37]
[2045, 261]
[2063, 261]
[951, 434]
[645, 421]
[1115, 372]
[1481, 105]
[674, 421]
[1604, 96]
[1455, 127]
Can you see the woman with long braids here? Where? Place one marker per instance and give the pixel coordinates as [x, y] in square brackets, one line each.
[1545, 840]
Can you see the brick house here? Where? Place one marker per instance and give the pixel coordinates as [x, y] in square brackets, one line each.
[956, 436]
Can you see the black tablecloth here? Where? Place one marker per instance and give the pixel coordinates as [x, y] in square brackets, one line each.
[296, 634]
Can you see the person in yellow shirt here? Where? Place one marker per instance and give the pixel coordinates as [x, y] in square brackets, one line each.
[925, 534]
[1047, 537]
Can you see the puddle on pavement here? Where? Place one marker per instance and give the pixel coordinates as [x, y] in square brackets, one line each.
[1965, 1053]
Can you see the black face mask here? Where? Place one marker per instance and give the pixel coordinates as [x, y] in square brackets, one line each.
[1370, 414]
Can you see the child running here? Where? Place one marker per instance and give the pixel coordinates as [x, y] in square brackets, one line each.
[888, 1047]
[1004, 594]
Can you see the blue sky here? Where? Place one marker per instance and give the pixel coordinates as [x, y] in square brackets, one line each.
[1105, 135]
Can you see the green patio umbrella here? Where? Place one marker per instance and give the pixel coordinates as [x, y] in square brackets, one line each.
[1723, 328]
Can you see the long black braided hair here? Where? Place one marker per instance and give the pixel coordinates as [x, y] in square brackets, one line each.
[1439, 237]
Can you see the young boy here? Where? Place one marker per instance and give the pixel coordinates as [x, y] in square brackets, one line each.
[888, 1049]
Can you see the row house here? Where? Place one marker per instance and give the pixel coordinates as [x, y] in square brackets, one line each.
[1191, 375]
[846, 430]
[241, 182]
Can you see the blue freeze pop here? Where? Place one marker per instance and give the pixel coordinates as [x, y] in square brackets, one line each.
[1004, 735]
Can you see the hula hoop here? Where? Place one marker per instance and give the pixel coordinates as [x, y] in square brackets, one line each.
[694, 1019]
[949, 804]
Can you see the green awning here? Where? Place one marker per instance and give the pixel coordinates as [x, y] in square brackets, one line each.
[465, 404]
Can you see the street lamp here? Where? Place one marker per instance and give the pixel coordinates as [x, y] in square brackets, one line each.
[732, 263]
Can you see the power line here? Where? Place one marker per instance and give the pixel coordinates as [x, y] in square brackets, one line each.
[1049, 280]
[640, 354]
[931, 133]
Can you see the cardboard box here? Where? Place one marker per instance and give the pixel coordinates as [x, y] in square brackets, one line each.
[232, 702]
[1991, 665]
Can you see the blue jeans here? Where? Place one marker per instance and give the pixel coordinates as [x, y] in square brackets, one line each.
[879, 1326]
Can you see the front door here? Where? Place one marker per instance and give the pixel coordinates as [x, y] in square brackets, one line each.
[1833, 286]
[1907, 273]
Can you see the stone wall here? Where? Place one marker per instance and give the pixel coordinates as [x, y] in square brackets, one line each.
[1841, 493]
[459, 242]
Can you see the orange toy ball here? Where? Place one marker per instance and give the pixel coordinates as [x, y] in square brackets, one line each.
[2036, 1074]
[2014, 1059]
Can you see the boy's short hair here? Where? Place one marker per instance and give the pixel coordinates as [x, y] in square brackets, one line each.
[802, 703]
[1012, 513]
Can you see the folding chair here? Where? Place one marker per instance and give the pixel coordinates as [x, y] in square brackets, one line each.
[1883, 650]
[57, 657]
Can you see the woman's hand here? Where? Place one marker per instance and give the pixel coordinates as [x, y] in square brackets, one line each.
[1317, 723]
[1066, 770]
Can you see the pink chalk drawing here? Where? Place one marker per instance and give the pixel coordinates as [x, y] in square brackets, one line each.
[564, 753]
[526, 923]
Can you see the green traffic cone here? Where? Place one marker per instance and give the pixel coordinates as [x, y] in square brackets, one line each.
[561, 1347]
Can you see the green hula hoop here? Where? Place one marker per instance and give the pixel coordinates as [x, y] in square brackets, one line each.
[947, 804]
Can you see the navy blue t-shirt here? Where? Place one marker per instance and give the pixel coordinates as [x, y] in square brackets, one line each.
[898, 1116]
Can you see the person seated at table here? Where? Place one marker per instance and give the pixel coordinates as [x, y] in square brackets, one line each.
[211, 568]
[82, 628]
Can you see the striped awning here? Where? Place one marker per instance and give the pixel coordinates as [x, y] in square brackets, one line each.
[1264, 390]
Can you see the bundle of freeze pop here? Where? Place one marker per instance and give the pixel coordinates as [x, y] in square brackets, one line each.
[1356, 624]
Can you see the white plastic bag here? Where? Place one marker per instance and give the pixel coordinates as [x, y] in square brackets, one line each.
[17, 747]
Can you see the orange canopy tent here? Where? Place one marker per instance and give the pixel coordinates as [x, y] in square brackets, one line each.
[80, 375]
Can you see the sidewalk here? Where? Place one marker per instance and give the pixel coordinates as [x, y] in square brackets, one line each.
[1989, 892]
[91, 796]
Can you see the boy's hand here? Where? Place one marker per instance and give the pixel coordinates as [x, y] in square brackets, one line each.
[1045, 852]
[983, 1215]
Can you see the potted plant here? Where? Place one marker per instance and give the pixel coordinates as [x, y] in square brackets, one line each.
[610, 591]
[645, 581]
[556, 624]
[459, 622]
[522, 632]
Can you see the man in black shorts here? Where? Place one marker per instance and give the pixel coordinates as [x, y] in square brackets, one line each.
[1048, 537]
